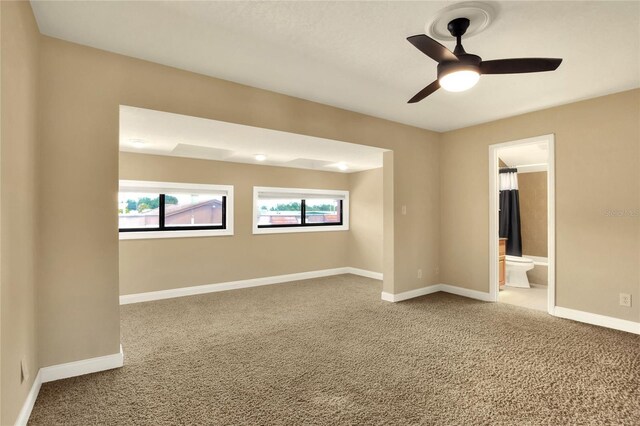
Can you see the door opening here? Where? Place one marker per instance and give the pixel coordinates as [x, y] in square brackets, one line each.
[522, 222]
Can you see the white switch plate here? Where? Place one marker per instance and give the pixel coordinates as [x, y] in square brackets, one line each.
[404, 209]
[625, 299]
[419, 273]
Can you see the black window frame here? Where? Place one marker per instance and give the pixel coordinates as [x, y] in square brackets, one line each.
[303, 217]
[163, 228]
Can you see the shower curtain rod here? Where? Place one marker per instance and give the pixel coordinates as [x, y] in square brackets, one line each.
[523, 165]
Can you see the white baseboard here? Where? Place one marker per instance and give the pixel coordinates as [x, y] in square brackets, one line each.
[64, 371]
[365, 273]
[29, 402]
[84, 366]
[473, 294]
[596, 319]
[234, 285]
[572, 314]
[399, 297]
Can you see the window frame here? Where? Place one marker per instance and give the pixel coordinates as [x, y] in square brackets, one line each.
[299, 193]
[164, 188]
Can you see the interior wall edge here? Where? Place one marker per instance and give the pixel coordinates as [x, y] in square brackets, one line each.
[19, 202]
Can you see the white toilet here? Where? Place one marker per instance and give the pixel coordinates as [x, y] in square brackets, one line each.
[517, 268]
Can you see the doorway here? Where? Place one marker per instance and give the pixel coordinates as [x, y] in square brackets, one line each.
[514, 268]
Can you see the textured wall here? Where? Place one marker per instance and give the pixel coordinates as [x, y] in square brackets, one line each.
[533, 213]
[18, 204]
[597, 148]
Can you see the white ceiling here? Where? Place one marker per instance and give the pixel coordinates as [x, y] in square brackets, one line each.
[532, 157]
[354, 55]
[177, 135]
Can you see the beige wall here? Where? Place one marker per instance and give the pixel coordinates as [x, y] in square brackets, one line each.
[18, 204]
[365, 235]
[597, 171]
[82, 89]
[533, 213]
[442, 179]
[150, 265]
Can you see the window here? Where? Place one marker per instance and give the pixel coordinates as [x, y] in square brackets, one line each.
[299, 210]
[166, 210]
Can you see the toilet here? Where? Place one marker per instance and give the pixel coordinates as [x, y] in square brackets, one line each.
[517, 268]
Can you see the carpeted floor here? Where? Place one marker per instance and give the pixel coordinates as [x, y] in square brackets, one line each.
[329, 351]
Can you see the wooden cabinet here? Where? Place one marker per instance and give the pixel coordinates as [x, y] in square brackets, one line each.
[502, 265]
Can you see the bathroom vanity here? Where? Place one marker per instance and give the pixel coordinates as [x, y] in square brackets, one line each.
[502, 263]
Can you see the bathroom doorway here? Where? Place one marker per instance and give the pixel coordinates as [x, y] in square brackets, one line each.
[522, 222]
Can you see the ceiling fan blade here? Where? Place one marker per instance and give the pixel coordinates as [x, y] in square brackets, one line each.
[425, 92]
[520, 65]
[432, 48]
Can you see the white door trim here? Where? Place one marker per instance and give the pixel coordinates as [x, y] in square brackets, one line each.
[551, 216]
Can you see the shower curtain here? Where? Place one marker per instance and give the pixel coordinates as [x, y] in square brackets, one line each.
[510, 211]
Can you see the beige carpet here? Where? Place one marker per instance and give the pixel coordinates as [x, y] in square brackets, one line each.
[329, 351]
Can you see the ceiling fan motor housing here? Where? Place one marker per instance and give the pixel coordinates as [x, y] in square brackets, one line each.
[458, 26]
[465, 62]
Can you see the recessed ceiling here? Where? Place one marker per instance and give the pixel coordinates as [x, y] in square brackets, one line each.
[354, 55]
[146, 131]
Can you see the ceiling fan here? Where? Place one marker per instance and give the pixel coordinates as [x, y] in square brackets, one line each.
[459, 70]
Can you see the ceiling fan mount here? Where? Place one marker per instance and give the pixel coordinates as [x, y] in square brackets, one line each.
[459, 70]
[458, 26]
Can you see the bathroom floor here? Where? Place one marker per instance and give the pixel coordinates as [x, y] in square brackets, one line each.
[532, 298]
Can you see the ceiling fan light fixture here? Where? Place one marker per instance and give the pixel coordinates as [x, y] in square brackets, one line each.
[459, 81]
[459, 70]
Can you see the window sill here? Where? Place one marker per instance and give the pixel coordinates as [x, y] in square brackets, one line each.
[295, 229]
[148, 235]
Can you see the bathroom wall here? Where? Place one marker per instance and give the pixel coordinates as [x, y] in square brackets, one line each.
[539, 275]
[533, 213]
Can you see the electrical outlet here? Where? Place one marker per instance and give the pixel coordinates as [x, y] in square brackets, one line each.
[625, 299]
[404, 209]
[24, 371]
[419, 274]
